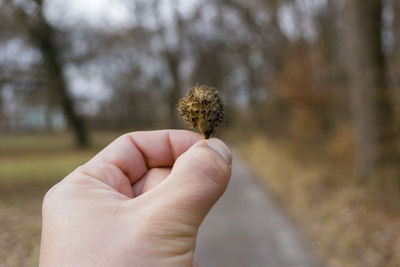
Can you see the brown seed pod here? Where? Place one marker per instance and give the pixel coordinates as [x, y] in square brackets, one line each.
[202, 107]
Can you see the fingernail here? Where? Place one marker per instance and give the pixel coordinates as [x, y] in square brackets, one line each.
[221, 148]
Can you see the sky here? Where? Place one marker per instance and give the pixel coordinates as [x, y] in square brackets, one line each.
[104, 13]
[94, 12]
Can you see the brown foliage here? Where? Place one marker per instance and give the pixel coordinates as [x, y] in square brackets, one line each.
[306, 104]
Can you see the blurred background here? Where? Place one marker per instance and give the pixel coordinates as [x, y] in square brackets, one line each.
[311, 87]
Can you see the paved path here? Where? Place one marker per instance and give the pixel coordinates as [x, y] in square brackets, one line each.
[247, 229]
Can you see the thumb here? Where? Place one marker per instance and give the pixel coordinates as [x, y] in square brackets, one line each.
[199, 177]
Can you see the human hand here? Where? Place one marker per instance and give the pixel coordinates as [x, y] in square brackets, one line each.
[139, 202]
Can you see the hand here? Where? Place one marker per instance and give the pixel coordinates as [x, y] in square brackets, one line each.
[139, 202]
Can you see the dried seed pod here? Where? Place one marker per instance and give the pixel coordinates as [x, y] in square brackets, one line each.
[202, 107]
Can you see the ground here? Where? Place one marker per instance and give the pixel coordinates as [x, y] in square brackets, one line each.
[29, 166]
[246, 228]
[350, 222]
[346, 224]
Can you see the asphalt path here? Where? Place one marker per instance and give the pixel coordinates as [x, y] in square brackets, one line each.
[246, 228]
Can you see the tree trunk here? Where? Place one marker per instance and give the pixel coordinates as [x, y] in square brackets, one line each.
[396, 53]
[370, 101]
[1, 108]
[42, 36]
[175, 91]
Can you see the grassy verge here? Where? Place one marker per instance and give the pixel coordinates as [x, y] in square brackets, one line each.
[29, 166]
[349, 224]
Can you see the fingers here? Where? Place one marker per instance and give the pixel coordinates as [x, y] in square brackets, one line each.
[136, 152]
[150, 180]
[162, 148]
[108, 174]
[198, 178]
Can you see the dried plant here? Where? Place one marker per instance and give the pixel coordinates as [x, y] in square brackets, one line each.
[202, 107]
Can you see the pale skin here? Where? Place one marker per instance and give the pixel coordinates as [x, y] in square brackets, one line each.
[139, 202]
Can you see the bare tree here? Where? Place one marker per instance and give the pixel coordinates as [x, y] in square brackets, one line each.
[42, 35]
[372, 110]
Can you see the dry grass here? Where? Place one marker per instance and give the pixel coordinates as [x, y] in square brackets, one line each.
[29, 166]
[349, 224]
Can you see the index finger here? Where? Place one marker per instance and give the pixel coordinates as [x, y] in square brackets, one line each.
[134, 153]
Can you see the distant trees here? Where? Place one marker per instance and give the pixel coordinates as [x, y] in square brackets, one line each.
[281, 66]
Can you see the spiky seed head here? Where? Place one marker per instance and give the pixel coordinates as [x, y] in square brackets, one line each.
[203, 108]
